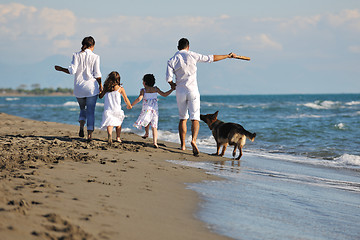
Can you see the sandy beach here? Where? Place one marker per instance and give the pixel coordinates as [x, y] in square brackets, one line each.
[55, 185]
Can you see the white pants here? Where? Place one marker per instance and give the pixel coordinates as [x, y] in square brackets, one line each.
[188, 103]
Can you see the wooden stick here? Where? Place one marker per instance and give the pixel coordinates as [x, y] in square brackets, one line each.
[242, 58]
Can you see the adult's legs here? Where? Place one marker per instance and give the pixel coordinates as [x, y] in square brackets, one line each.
[194, 110]
[90, 114]
[189, 102]
[181, 100]
[182, 132]
[195, 126]
[82, 115]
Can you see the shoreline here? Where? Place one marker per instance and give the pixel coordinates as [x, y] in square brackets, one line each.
[54, 184]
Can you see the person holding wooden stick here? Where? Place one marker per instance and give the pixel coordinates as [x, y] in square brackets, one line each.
[183, 66]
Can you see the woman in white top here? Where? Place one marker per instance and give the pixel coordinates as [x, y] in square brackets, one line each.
[85, 66]
[149, 113]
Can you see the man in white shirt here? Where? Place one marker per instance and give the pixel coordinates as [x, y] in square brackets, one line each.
[183, 66]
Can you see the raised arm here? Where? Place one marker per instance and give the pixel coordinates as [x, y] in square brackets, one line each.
[222, 57]
[61, 69]
[164, 94]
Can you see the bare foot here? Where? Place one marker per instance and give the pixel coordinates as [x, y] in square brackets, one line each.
[195, 149]
[118, 140]
[145, 136]
[109, 140]
[156, 146]
[89, 136]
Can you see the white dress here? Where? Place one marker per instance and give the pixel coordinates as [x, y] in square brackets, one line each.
[149, 112]
[113, 115]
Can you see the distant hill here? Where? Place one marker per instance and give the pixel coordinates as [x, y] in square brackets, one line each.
[35, 91]
[43, 74]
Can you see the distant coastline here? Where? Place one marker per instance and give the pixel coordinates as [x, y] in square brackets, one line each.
[36, 92]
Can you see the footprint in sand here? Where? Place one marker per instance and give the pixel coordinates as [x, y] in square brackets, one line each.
[59, 228]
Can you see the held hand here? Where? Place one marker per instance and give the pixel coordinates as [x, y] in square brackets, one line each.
[232, 55]
[173, 85]
[101, 88]
[128, 106]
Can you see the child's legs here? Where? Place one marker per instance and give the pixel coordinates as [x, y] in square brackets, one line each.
[154, 124]
[109, 130]
[154, 132]
[147, 130]
[118, 132]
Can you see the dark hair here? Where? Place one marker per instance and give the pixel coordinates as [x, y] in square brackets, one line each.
[111, 81]
[183, 43]
[87, 42]
[149, 80]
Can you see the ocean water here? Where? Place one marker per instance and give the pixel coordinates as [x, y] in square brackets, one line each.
[299, 179]
[315, 127]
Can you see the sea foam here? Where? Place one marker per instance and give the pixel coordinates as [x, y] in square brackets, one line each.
[348, 160]
[322, 104]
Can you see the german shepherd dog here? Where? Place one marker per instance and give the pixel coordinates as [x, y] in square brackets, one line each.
[227, 134]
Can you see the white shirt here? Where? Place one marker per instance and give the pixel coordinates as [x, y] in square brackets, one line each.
[183, 65]
[85, 66]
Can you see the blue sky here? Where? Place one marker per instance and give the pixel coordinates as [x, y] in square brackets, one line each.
[295, 46]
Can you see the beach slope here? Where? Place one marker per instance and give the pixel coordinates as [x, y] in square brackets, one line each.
[55, 185]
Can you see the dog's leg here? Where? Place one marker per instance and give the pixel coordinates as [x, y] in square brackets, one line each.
[240, 154]
[217, 149]
[234, 151]
[223, 149]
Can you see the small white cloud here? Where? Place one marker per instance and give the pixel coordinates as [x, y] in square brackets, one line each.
[354, 49]
[224, 16]
[261, 42]
[66, 43]
[300, 22]
[52, 22]
[345, 17]
[14, 11]
[266, 42]
[294, 24]
[26, 22]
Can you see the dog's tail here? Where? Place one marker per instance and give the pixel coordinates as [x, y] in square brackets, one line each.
[251, 136]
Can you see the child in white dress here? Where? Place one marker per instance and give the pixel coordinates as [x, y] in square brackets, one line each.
[113, 114]
[149, 113]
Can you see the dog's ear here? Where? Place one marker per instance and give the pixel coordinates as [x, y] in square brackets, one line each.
[216, 114]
